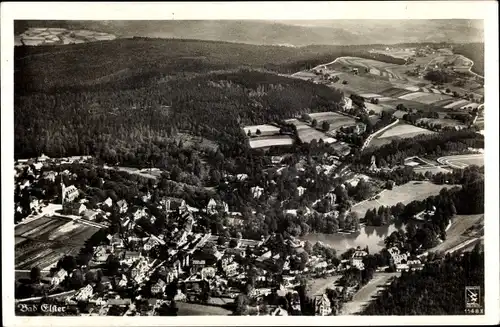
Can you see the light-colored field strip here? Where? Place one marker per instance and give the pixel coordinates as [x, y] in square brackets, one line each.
[426, 90]
[262, 143]
[370, 95]
[411, 96]
[460, 102]
[435, 91]
[375, 71]
[263, 129]
[383, 99]
[412, 88]
[471, 105]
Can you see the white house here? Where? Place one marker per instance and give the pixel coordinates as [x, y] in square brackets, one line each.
[108, 202]
[69, 193]
[58, 277]
[257, 191]
[301, 190]
[122, 204]
[357, 259]
[84, 293]
[322, 305]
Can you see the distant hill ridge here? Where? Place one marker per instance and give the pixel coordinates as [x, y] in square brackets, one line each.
[337, 32]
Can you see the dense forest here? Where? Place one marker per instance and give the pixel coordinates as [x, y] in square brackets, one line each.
[436, 290]
[137, 126]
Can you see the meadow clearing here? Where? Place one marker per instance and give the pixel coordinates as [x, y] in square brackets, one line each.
[402, 193]
[335, 120]
[264, 129]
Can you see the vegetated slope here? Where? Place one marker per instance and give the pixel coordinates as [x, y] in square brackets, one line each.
[436, 290]
[134, 126]
[475, 52]
[45, 67]
[297, 33]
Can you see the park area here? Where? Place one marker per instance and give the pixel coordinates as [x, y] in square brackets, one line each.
[406, 193]
[42, 242]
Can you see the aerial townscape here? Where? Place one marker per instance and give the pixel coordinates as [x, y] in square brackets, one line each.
[200, 174]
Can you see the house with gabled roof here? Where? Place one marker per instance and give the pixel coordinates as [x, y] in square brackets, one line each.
[122, 205]
[158, 287]
[322, 305]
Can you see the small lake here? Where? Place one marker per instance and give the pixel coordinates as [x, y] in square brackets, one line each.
[370, 236]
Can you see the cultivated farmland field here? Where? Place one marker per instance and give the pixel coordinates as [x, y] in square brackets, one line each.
[402, 193]
[268, 141]
[42, 242]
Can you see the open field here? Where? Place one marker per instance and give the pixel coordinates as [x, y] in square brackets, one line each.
[368, 292]
[456, 234]
[402, 193]
[463, 161]
[426, 98]
[268, 141]
[318, 286]
[265, 129]
[42, 242]
[399, 131]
